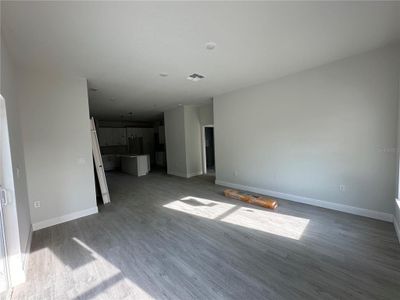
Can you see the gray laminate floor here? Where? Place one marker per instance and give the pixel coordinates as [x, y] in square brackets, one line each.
[165, 237]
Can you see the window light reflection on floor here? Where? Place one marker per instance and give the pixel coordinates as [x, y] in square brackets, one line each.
[109, 280]
[253, 218]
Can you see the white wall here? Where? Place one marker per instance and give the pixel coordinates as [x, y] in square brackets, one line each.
[16, 213]
[396, 212]
[306, 134]
[206, 114]
[175, 141]
[193, 140]
[183, 141]
[55, 130]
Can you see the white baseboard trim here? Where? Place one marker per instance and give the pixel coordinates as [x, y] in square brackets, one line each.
[315, 202]
[65, 218]
[184, 175]
[25, 259]
[194, 174]
[396, 219]
[176, 173]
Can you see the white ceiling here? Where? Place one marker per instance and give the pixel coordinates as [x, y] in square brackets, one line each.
[121, 47]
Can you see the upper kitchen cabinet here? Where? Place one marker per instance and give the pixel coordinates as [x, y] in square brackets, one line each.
[112, 136]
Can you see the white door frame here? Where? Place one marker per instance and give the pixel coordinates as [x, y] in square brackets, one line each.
[15, 258]
[203, 146]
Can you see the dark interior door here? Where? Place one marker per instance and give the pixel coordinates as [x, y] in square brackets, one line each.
[209, 137]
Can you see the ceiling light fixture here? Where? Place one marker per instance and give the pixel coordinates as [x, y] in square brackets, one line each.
[163, 74]
[195, 77]
[211, 45]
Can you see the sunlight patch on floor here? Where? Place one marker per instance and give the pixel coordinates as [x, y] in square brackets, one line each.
[108, 280]
[268, 221]
[200, 207]
[253, 218]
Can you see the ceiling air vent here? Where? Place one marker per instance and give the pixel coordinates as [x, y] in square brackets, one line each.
[195, 77]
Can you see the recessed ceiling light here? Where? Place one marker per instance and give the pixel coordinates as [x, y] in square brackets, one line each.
[195, 77]
[180, 104]
[210, 45]
[163, 74]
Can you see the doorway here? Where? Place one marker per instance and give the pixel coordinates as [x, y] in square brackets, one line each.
[208, 150]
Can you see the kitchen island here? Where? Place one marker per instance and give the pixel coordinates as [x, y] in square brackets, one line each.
[137, 165]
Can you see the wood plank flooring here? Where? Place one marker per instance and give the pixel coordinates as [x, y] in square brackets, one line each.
[164, 237]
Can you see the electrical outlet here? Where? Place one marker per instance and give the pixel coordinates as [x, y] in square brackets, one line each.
[36, 204]
[342, 188]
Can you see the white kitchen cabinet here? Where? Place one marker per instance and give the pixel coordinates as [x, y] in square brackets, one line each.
[102, 136]
[112, 136]
[131, 132]
[105, 136]
[115, 136]
[123, 140]
[119, 136]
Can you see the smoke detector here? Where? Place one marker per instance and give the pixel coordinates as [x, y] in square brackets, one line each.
[195, 77]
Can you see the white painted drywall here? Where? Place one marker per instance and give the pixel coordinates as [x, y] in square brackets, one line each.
[17, 216]
[183, 141]
[309, 133]
[206, 114]
[193, 140]
[396, 213]
[56, 136]
[175, 141]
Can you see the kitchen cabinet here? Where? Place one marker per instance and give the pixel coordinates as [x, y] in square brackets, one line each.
[119, 136]
[147, 134]
[112, 136]
[137, 165]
